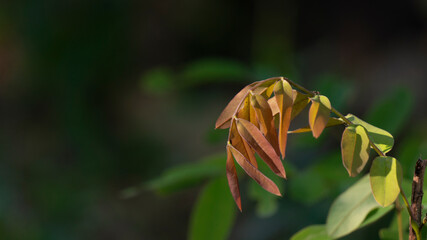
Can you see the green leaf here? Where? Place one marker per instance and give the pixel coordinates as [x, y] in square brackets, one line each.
[376, 214]
[385, 177]
[188, 175]
[381, 138]
[354, 149]
[313, 232]
[157, 81]
[318, 114]
[392, 111]
[392, 233]
[350, 209]
[214, 212]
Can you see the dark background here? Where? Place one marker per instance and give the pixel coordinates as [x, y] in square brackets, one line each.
[98, 96]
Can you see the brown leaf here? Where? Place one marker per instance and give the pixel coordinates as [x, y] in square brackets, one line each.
[240, 144]
[332, 122]
[223, 120]
[318, 115]
[273, 105]
[284, 95]
[233, 182]
[259, 143]
[254, 173]
[265, 119]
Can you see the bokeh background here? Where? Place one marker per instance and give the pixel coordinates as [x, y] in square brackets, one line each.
[100, 99]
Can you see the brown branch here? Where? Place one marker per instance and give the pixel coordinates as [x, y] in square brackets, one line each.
[417, 195]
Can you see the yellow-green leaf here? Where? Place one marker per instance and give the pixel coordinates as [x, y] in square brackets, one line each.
[354, 149]
[381, 138]
[318, 115]
[385, 177]
[284, 98]
[300, 102]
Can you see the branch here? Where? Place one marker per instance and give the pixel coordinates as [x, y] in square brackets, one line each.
[417, 195]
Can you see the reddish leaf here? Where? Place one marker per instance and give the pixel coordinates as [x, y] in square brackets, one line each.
[265, 119]
[284, 95]
[233, 182]
[318, 115]
[240, 144]
[259, 143]
[254, 173]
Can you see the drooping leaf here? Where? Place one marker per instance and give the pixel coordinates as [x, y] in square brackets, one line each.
[381, 138]
[233, 182]
[385, 177]
[319, 112]
[237, 141]
[331, 122]
[350, 209]
[259, 143]
[253, 172]
[301, 100]
[284, 97]
[354, 149]
[213, 214]
[313, 232]
[265, 120]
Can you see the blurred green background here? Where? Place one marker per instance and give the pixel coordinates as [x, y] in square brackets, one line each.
[100, 99]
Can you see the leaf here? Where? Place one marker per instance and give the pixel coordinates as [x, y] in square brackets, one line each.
[265, 119]
[376, 214]
[284, 97]
[233, 182]
[319, 112]
[157, 81]
[237, 141]
[350, 209]
[224, 118]
[253, 172]
[354, 149]
[259, 143]
[381, 138]
[188, 175]
[300, 102]
[313, 232]
[213, 214]
[385, 177]
[331, 122]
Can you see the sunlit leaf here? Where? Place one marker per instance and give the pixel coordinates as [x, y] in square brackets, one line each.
[253, 172]
[259, 143]
[354, 149]
[331, 122]
[313, 232]
[265, 119]
[385, 177]
[283, 93]
[319, 112]
[233, 182]
[213, 214]
[350, 209]
[381, 138]
[223, 120]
